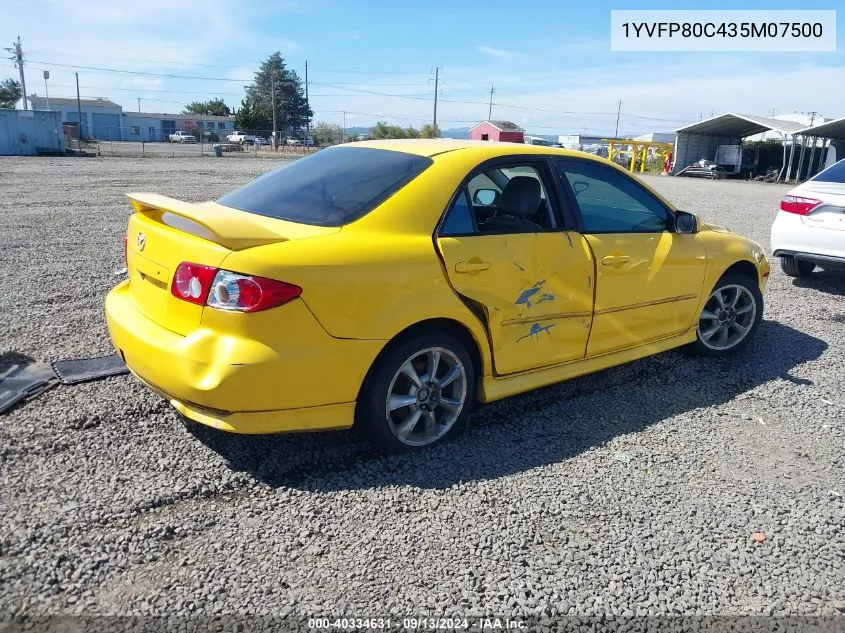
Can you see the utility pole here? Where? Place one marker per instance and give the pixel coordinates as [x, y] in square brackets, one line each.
[139, 104]
[436, 88]
[79, 114]
[307, 103]
[490, 110]
[813, 116]
[17, 57]
[343, 129]
[815, 141]
[273, 99]
[47, 92]
[618, 114]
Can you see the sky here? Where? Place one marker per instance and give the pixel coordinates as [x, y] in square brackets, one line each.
[550, 65]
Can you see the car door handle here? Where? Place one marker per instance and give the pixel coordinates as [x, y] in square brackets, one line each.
[613, 260]
[471, 266]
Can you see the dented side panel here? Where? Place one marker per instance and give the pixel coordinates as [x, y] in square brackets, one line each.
[535, 289]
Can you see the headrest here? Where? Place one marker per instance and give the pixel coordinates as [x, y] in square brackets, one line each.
[520, 197]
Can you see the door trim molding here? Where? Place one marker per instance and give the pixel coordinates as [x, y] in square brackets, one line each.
[547, 317]
[646, 304]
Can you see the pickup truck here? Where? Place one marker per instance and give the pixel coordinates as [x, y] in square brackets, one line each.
[240, 138]
[182, 137]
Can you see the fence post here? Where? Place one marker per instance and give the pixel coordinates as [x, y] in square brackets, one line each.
[143, 153]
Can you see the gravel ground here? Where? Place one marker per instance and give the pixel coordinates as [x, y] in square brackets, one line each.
[635, 491]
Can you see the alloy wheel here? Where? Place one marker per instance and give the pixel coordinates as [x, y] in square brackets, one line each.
[727, 318]
[426, 396]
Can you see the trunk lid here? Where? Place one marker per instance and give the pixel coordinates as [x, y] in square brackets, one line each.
[831, 214]
[164, 232]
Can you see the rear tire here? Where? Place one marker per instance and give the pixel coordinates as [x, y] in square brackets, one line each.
[795, 267]
[731, 316]
[404, 406]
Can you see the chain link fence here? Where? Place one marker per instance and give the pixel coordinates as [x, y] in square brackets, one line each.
[104, 141]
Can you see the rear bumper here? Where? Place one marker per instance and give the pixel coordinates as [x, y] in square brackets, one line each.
[828, 261]
[321, 418]
[791, 235]
[267, 372]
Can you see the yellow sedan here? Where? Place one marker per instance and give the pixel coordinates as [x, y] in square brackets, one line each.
[392, 285]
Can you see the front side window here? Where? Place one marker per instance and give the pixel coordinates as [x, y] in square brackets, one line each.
[611, 202]
[332, 187]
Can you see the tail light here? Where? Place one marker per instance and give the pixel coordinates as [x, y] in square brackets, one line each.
[225, 290]
[191, 282]
[798, 205]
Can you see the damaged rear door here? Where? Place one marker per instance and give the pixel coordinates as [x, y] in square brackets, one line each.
[517, 264]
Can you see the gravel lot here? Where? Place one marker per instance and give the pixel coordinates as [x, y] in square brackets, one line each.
[630, 492]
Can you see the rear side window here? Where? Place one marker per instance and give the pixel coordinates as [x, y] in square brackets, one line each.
[834, 173]
[333, 187]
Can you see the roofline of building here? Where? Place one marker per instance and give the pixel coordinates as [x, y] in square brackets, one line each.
[744, 117]
[495, 126]
[830, 125]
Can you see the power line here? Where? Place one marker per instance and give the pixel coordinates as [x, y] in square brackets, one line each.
[347, 87]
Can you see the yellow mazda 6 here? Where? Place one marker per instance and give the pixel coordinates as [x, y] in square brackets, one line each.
[392, 285]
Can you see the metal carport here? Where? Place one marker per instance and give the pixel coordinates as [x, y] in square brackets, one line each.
[702, 139]
[832, 132]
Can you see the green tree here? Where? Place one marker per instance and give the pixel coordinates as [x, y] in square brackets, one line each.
[292, 111]
[429, 131]
[326, 133]
[212, 107]
[383, 130]
[249, 117]
[10, 94]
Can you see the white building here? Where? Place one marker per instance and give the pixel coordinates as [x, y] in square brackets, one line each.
[105, 120]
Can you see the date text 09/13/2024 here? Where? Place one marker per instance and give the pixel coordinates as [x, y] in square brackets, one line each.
[417, 623]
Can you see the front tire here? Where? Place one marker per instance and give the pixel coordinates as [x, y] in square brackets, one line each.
[419, 393]
[731, 316]
[795, 267]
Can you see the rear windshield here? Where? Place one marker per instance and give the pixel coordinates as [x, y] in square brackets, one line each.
[333, 187]
[834, 173]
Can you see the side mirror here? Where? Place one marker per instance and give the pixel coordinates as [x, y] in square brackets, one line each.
[685, 223]
[580, 186]
[485, 197]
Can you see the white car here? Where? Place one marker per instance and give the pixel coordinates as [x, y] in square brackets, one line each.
[809, 229]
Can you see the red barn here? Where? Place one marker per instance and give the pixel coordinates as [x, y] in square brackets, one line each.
[497, 131]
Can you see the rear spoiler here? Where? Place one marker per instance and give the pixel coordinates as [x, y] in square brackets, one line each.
[233, 229]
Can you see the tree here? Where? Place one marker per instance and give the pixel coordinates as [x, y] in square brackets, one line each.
[429, 131]
[249, 117]
[292, 111]
[384, 130]
[212, 107]
[327, 133]
[10, 94]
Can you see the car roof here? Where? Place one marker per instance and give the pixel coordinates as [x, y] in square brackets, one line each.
[434, 146]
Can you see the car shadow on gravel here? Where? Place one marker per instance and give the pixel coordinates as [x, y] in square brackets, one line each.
[536, 429]
[830, 282]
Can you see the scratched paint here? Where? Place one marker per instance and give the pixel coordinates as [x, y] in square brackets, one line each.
[534, 295]
[536, 330]
[518, 266]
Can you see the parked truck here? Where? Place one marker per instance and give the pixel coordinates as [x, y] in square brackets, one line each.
[182, 137]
